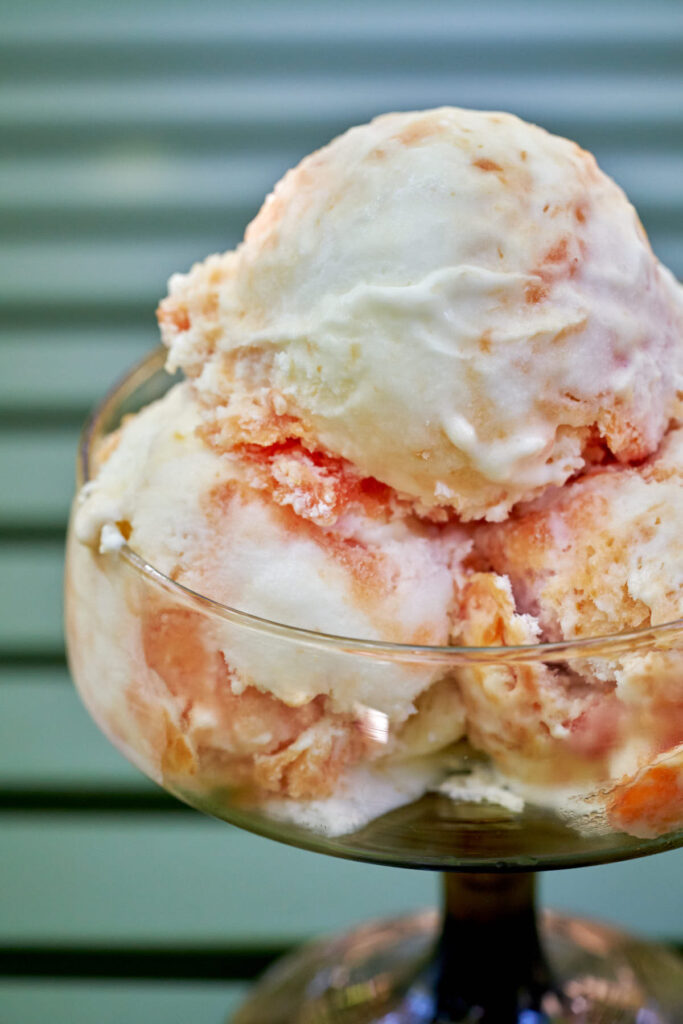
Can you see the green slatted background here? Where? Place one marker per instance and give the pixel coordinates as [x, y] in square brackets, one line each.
[133, 142]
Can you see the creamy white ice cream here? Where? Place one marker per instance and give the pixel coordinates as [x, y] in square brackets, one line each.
[199, 698]
[457, 302]
[195, 516]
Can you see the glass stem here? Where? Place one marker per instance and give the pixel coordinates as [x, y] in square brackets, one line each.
[491, 967]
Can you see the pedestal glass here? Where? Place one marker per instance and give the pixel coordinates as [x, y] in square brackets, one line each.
[488, 959]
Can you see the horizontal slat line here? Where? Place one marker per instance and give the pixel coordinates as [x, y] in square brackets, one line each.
[71, 140]
[35, 548]
[654, 133]
[25, 800]
[209, 963]
[42, 337]
[372, 58]
[193, 963]
[12, 532]
[30, 660]
[42, 417]
[49, 653]
[24, 675]
[351, 23]
[232, 176]
[81, 314]
[311, 99]
[130, 222]
[191, 207]
[135, 194]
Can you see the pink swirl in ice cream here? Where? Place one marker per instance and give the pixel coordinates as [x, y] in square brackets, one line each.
[432, 398]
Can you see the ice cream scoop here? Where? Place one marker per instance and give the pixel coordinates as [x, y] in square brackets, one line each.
[600, 555]
[458, 303]
[224, 705]
[603, 553]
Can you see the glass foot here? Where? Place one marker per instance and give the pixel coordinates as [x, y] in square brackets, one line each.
[398, 972]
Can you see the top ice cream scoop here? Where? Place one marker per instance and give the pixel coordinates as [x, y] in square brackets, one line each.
[459, 303]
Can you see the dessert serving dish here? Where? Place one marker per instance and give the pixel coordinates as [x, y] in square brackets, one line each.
[487, 958]
[382, 558]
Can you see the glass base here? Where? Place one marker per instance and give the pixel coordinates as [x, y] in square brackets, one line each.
[392, 972]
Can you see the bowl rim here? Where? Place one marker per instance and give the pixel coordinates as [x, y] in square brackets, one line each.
[645, 638]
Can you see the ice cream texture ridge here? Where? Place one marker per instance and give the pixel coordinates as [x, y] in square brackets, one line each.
[433, 398]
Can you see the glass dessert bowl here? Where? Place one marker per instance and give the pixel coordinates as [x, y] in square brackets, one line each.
[151, 660]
